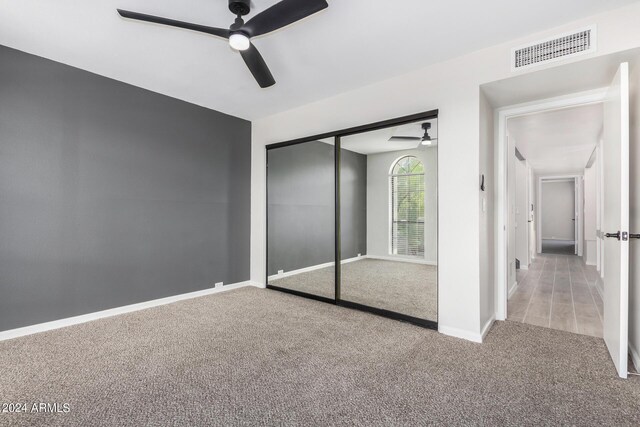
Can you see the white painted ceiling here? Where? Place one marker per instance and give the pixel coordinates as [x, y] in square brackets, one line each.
[351, 44]
[378, 141]
[560, 141]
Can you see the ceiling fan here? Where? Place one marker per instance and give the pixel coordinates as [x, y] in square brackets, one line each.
[426, 139]
[240, 33]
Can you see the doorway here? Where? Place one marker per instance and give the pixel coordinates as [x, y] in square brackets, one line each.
[560, 217]
[613, 248]
[553, 287]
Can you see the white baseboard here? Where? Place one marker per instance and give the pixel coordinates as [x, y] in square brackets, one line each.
[487, 327]
[460, 333]
[512, 289]
[635, 356]
[346, 261]
[314, 267]
[524, 267]
[401, 259]
[61, 323]
[598, 286]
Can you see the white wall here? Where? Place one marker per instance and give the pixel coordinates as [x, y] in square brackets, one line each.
[590, 237]
[521, 212]
[634, 259]
[486, 208]
[453, 88]
[558, 209]
[378, 198]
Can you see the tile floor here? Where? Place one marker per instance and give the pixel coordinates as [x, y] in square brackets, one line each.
[558, 291]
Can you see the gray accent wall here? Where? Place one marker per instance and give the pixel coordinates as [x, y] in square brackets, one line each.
[301, 206]
[112, 195]
[353, 203]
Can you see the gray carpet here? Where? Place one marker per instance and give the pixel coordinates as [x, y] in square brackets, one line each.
[260, 357]
[403, 287]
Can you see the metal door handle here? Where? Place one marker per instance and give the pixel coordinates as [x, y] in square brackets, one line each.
[634, 236]
[616, 235]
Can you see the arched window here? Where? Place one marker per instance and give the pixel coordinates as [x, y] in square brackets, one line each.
[406, 180]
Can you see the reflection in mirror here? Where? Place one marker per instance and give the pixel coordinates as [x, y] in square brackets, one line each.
[301, 218]
[389, 219]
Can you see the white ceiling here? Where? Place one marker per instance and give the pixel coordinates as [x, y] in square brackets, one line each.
[378, 141]
[351, 44]
[560, 141]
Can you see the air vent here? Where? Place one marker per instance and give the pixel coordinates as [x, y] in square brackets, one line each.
[550, 50]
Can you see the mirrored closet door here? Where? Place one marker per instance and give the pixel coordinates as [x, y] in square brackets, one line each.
[352, 218]
[389, 219]
[301, 218]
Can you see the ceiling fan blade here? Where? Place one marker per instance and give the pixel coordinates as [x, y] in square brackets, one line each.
[220, 32]
[282, 14]
[405, 138]
[257, 66]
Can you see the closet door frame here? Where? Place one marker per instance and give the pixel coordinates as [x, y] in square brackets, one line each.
[337, 136]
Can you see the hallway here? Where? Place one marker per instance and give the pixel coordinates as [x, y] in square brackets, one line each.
[558, 292]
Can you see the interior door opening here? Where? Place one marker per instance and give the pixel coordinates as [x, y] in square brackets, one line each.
[575, 149]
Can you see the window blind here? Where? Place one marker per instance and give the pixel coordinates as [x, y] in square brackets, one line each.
[407, 213]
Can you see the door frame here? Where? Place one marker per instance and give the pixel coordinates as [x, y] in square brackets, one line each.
[578, 216]
[501, 234]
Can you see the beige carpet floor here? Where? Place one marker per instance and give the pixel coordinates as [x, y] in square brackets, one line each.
[403, 287]
[261, 357]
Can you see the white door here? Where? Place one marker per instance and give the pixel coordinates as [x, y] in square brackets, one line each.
[616, 218]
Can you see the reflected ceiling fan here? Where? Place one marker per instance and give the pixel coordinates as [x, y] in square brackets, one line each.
[426, 139]
[240, 33]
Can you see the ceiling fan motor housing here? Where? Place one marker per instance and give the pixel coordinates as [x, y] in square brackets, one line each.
[240, 7]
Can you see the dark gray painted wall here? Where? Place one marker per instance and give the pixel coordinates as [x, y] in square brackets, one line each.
[353, 203]
[111, 194]
[301, 205]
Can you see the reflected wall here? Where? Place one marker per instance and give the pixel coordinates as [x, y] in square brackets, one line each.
[301, 218]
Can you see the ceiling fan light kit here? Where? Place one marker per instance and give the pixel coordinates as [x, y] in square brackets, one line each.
[426, 139]
[239, 34]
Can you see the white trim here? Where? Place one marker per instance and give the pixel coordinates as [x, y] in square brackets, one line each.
[578, 218]
[501, 116]
[635, 356]
[598, 286]
[301, 270]
[345, 261]
[76, 320]
[512, 289]
[524, 267]
[401, 259]
[314, 267]
[460, 333]
[487, 327]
